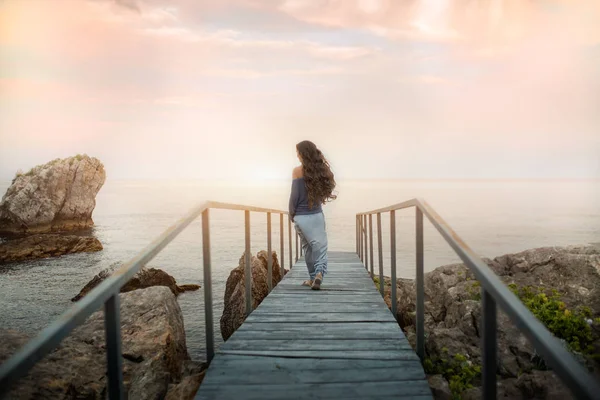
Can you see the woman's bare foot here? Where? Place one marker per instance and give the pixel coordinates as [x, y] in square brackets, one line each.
[317, 282]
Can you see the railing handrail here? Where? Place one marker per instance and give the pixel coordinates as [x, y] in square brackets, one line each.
[107, 293]
[562, 362]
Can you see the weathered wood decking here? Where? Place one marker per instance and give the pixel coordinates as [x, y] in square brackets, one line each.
[339, 342]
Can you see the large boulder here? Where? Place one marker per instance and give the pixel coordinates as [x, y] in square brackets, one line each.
[153, 349]
[234, 308]
[453, 312]
[57, 196]
[144, 278]
[44, 246]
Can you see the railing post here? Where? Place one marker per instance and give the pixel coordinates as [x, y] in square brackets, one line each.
[269, 256]
[296, 247]
[393, 259]
[488, 344]
[420, 280]
[248, 269]
[360, 237]
[207, 283]
[290, 241]
[112, 326]
[281, 250]
[356, 223]
[371, 243]
[380, 251]
[366, 242]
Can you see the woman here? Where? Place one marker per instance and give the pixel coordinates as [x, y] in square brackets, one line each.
[312, 186]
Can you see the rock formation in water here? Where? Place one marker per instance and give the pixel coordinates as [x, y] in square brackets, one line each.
[155, 359]
[144, 278]
[44, 246]
[234, 308]
[54, 197]
[453, 317]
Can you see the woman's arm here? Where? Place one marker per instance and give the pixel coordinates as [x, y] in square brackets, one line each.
[294, 193]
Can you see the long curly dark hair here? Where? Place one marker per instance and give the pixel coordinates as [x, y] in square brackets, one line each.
[318, 178]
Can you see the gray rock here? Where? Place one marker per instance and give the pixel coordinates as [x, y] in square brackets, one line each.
[57, 196]
[144, 278]
[153, 347]
[234, 308]
[47, 245]
[439, 387]
[187, 388]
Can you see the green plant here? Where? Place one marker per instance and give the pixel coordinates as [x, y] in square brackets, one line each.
[458, 371]
[570, 325]
[475, 291]
[376, 280]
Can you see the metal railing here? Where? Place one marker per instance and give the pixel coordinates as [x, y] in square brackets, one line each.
[107, 294]
[493, 291]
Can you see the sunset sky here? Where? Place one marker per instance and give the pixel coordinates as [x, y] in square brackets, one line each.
[223, 89]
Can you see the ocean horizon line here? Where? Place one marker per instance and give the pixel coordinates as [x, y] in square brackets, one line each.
[339, 181]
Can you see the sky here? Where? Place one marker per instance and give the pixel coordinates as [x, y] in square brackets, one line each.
[224, 89]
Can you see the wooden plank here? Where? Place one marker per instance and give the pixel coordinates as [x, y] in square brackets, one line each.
[359, 330]
[293, 307]
[322, 354]
[337, 297]
[375, 316]
[294, 344]
[277, 374]
[301, 391]
[267, 363]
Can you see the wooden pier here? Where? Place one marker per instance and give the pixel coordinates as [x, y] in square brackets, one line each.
[340, 342]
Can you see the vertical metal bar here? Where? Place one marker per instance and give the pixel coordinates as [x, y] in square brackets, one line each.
[112, 326]
[356, 223]
[366, 261]
[366, 243]
[356, 232]
[380, 251]
[297, 246]
[269, 256]
[420, 280]
[393, 263]
[488, 344]
[208, 309]
[290, 241]
[248, 269]
[360, 237]
[282, 249]
[371, 243]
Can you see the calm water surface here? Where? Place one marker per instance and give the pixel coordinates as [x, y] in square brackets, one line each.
[494, 218]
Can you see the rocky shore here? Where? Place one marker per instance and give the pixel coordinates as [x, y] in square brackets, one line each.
[560, 285]
[156, 364]
[47, 245]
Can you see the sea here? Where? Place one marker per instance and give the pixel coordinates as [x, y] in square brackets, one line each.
[492, 217]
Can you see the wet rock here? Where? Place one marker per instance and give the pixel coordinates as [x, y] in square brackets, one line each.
[44, 246]
[144, 278]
